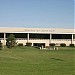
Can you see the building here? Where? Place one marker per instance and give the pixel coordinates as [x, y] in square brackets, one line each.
[37, 36]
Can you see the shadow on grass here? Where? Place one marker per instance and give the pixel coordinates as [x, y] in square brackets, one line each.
[57, 59]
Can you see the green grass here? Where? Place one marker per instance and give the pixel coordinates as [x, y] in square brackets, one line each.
[32, 61]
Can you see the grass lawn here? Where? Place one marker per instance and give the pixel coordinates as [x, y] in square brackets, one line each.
[32, 61]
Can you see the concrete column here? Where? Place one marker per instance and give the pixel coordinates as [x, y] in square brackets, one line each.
[50, 38]
[72, 39]
[32, 44]
[4, 39]
[28, 37]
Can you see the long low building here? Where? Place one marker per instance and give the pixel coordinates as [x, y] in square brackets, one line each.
[37, 36]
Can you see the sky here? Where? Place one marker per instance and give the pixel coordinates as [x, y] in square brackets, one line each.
[37, 13]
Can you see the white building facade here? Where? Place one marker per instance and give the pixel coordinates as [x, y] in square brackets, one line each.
[37, 36]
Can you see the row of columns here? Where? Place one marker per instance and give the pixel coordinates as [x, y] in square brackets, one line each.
[28, 38]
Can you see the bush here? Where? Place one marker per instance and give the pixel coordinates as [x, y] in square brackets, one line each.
[0, 45]
[52, 44]
[47, 46]
[63, 45]
[71, 45]
[20, 44]
[28, 44]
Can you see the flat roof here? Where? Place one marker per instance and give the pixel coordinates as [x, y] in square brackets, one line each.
[36, 30]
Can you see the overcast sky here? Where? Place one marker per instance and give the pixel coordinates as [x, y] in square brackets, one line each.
[37, 13]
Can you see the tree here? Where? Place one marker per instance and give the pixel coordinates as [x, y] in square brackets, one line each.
[11, 41]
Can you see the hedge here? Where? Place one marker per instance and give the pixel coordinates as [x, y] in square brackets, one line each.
[52, 44]
[63, 45]
[20, 44]
[28, 44]
[71, 45]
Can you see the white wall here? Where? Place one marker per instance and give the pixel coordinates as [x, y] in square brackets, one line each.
[59, 41]
[46, 41]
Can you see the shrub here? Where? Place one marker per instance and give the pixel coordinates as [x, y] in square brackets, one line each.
[0, 45]
[52, 44]
[20, 44]
[63, 45]
[47, 46]
[28, 44]
[71, 45]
